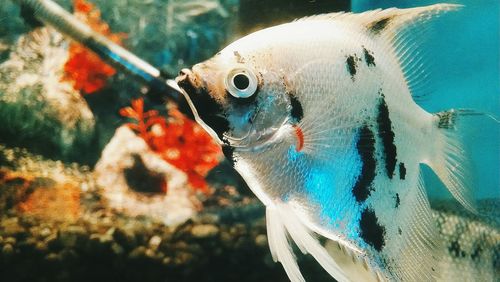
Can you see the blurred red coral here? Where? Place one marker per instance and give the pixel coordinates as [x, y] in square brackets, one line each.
[180, 141]
[144, 120]
[84, 69]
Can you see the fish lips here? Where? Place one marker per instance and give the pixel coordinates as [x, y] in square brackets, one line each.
[208, 109]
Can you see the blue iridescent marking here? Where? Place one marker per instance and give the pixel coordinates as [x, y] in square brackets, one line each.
[329, 184]
[293, 154]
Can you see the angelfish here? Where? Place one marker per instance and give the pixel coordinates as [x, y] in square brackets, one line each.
[318, 117]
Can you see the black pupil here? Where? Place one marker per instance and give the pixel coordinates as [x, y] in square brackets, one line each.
[241, 81]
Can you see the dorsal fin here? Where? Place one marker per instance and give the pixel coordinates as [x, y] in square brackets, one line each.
[403, 30]
[388, 21]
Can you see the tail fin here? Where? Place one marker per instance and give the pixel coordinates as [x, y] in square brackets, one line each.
[448, 160]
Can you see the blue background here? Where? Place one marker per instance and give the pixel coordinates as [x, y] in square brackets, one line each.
[464, 50]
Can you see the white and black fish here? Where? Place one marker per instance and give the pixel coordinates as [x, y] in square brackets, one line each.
[470, 249]
[318, 117]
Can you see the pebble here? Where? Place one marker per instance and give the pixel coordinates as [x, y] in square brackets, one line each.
[45, 232]
[204, 231]
[53, 257]
[117, 249]
[138, 252]
[261, 240]
[183, 258]
[105, 239]
[94, 244]
[41, 246]
[160, 256]
[52, 242]
[154, 242]
[124, 237]
[7, 249]
[10, 240]
[181, 245]
[238, 229]
[11, 226]
[71, 236]
[166, 261]
[150, 253]
[207, 218]
[27, 245]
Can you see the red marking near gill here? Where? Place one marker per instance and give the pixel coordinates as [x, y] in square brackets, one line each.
[300, 137]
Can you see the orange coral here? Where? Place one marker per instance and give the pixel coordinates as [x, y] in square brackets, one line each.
[181, 141]
[60, 202]
[85, 69]
[41, 197]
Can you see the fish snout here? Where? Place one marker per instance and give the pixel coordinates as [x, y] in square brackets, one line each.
[183, 74]
[207, 107]
[200, 81]
[187, 81]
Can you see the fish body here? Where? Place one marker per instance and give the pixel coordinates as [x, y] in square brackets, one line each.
[318, 117]
[470, 249]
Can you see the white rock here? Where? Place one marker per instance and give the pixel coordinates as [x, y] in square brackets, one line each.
[173, 208]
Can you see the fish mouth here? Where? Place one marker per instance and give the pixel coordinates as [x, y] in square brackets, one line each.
[206, 111]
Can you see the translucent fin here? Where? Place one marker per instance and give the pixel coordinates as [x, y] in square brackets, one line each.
[279, 245]
[305, 240]
[403, 31]
[420, 241]
[355, 265]
[447, 159]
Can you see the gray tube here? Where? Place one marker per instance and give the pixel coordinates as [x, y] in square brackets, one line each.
[50, 13]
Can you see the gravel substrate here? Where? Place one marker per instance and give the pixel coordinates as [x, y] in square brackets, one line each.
[51, 231]
[106, 246]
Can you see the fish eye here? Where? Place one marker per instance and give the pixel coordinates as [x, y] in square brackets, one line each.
[241, 83]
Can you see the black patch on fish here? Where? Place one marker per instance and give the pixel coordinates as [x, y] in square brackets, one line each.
[476, 253]
[208, 109]
[297, 111]
[398, 201]
[400, 231]
[447, 119]
[228, 152]
[370, 60]
[370, 230]
[379, 25]
[351, 65]
[402, 171]
[456, 250]
[366, 151]
[387, 135]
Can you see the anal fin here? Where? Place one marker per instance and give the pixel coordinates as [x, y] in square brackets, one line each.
[281, 249]
[282, 220]
[412, 244]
